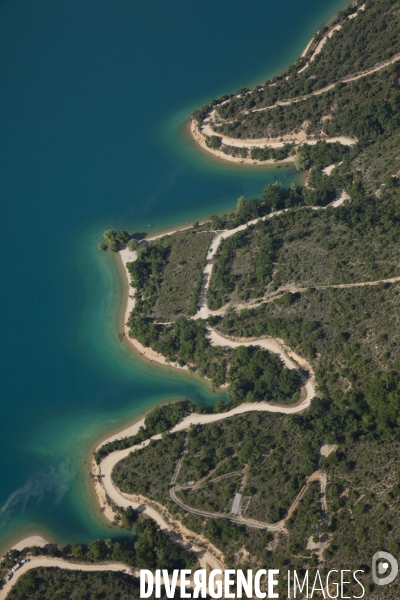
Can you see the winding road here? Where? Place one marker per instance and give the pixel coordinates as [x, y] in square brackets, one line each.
[206, 128]
[61, 564]
[155, 512]
[240, 520]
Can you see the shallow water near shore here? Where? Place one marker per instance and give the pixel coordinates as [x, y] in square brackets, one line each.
[94, 101]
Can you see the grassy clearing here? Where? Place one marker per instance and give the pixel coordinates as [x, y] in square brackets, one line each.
[168, 274]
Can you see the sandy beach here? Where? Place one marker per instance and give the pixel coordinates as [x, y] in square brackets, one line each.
[295, 138]
[32, 540]
[126, 256]
[199, 138]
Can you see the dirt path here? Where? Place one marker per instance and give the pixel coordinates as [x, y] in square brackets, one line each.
[253, 523]
[293, 289]
[161, 516]
[324, 39]
[215, 338]
[203, 312]
[355, 77]
[297, 139]
[42, 561]
[208, 555]
[199, 133]
[61, 564]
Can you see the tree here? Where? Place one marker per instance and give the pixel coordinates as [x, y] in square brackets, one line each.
[241, 204]
[77, 550]
[113, 245]
[301, 162]
[129, 517]
[133, 244]
[214, 142]
[102, 246]
[98, 549]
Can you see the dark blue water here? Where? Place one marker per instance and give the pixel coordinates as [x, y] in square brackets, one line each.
[93, 100]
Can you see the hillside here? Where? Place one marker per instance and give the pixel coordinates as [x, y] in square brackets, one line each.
[313, 269]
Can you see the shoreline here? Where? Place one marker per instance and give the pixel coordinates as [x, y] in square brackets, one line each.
[132, 344]
[136, 347]
[199, 140]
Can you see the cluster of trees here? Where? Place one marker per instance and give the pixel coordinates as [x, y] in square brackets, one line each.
[268, 153]
[186, 342]
[274, 197]
[153, 549]
[145, 274]
[222, 281]
[319, 155]
[167, 273]
[235, 151]
[365, 108]
[213, 496]
[116, 239]
[278, 458]
[149, 547]
[148, 471]
[257, 375]
[351, 345]
[200, 114]
[372, 118]
[213, 141]
[321, 191]
[264, 444]
[371, 479]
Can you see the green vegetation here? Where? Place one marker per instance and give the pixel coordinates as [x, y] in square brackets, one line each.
[364, 501]
[298, 264]
[254, 374]
[167, 274]
[213, 142]
[133, 245]
[354, 243]
[155, 550]
[49, 583]
[114, 240]
[269, 459]
[213, 496]
[234, 151]
[370, 38]
[350, 335]
[269, 462]
[267, 153]
[161, 418]
[257, 375]
[148, 471]
[151, 548]
[367, 109]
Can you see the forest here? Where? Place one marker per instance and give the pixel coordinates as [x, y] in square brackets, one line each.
[253, 374]
[269, 458]
[361, 43]
[354, 243]
[299, 275]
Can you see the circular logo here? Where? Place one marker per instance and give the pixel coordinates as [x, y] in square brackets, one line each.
[380, 568]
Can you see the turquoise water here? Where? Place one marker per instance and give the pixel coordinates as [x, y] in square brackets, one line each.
[93, 102]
